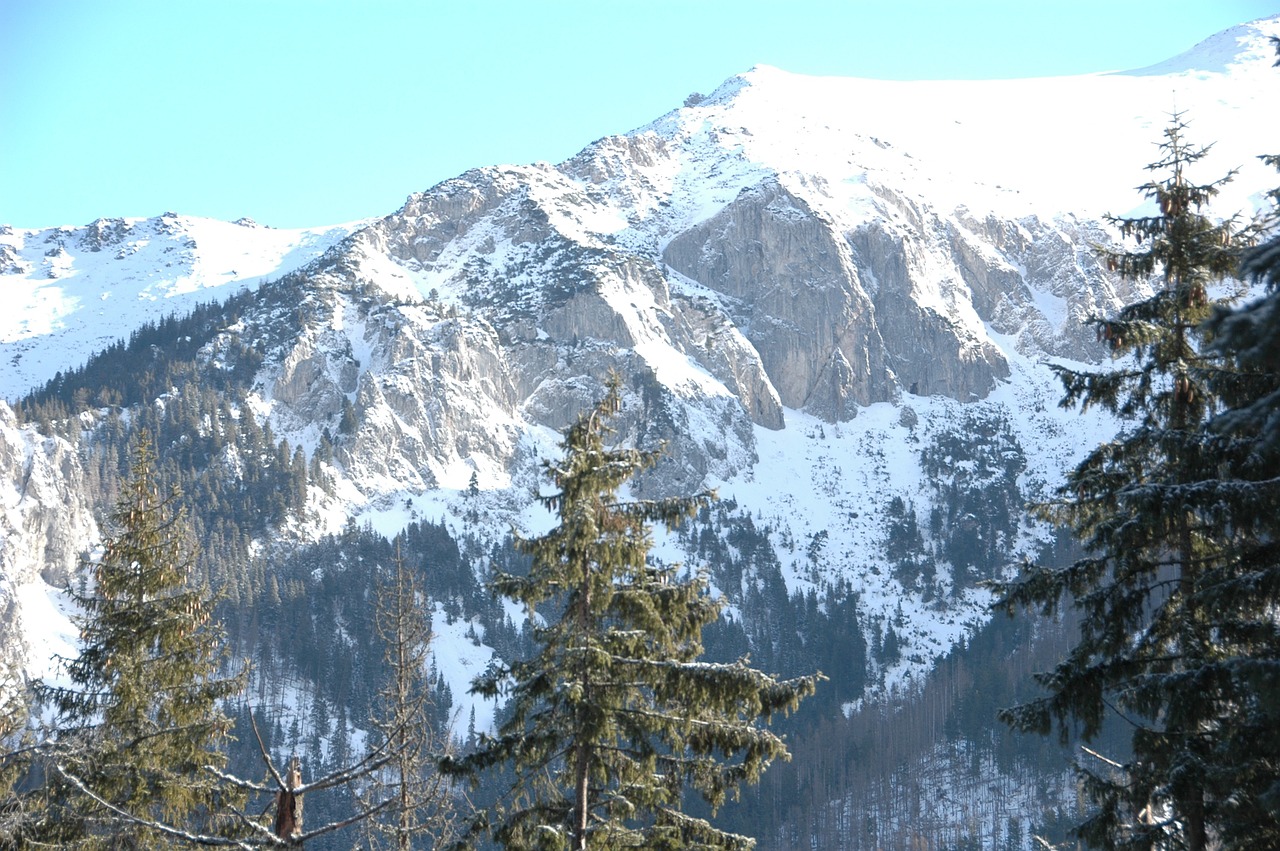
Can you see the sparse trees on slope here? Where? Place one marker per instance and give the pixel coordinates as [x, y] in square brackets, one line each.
[615, 716]
[1151, 646]
[139, 718]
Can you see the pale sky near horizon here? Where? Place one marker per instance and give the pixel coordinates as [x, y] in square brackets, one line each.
[311, 112]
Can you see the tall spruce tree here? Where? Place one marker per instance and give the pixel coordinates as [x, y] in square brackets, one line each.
[1247, 753]
[139, 717]
[1151, 648]
[615, 716]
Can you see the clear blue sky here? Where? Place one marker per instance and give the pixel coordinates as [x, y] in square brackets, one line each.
[309, 112]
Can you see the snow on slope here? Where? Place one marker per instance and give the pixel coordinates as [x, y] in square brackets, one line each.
[814, 477]
[1235, 48]
[1010, 147]
[72, 291]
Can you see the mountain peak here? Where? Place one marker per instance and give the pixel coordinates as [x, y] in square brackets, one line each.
[1246, 47]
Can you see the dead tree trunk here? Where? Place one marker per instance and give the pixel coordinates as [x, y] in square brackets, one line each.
[289, 804]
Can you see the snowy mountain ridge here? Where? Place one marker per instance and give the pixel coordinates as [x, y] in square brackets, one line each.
[72, 291]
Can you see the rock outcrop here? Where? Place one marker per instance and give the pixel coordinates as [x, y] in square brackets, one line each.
[792, 287]
[46, 522]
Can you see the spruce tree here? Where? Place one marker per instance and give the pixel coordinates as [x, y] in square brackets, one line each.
[139, 717]
[1151, 649]
[1247, 752]
[615, 716]
[16, 752]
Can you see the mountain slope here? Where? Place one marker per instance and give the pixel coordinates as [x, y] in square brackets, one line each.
[785, 254]
[834, 301]
[72, 291]
[756, 263]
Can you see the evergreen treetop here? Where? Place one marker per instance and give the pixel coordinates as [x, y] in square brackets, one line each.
[615, 716]
[140, 717]
[1151, 647]
[1247, 749]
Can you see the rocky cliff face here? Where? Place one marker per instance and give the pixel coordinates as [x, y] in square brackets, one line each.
[725, 286]
[790, 282]
[498, 301]
[672, 240]
[46, 522]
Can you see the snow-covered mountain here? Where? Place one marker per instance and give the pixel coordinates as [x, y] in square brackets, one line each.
[72, 291]
[808, 283]
[834, 299]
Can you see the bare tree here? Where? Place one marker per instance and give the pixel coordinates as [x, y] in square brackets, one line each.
[423, 799]
[277, 825]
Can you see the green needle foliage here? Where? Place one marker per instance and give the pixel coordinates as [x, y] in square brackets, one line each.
[15, 753]
[140, 717]
[1152, 648]
[1247, 752]
[615, 716]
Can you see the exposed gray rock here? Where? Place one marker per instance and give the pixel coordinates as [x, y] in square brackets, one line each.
[718, 345]
[797, 296]
[618, 157]
[930, 353]
[11, 261]
[315, 376]
[47, 520]
[46, 523]
[104, 233]
[435, 393]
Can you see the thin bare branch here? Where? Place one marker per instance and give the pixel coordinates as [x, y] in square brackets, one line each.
[266, 757]
[1091, 752]
[150, 824]
[337, 825]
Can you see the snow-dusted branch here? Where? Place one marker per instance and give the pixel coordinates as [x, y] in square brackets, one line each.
[151, 824]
